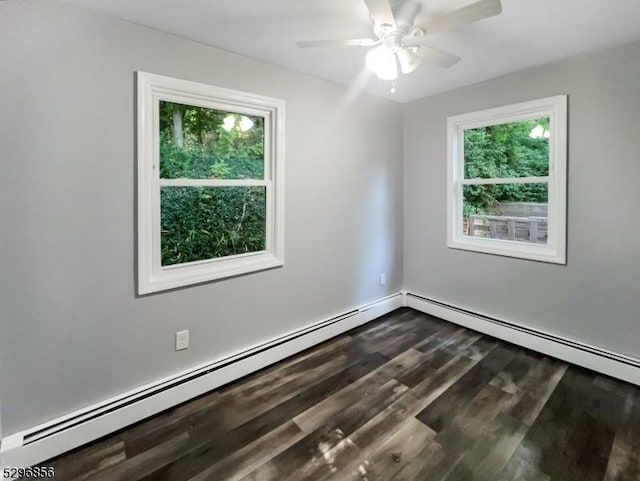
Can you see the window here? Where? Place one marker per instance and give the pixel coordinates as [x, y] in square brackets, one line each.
[507, 180]
[210, 183]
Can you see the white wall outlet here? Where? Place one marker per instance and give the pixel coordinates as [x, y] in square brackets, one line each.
[383, 278]
[182, 340]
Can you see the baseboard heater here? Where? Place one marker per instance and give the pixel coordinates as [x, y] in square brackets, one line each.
[55, 437]
[593, 357]
[185, 378]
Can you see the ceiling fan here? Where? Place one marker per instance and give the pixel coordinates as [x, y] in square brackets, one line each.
[401, 42]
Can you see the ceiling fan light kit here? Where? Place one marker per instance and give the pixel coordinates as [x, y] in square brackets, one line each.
[401, 44]
[382, 61]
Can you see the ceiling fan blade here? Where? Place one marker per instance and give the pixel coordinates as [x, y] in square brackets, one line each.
[471, 13]
[408, 60]
[381, 12]
[339, 42]
[435, 55]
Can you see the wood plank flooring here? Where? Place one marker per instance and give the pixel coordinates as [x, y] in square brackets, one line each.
[406, 397]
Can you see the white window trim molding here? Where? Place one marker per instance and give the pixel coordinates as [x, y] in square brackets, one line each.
[152, 88]
[556, 109]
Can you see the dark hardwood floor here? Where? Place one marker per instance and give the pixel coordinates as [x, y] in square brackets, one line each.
[406, 397]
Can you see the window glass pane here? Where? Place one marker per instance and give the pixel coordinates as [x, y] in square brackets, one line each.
[204, 143]
[199, 223]
[515, 149]
[506, 211]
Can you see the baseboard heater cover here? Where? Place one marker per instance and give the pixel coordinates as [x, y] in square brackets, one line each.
[126, 400]
[58, 436]
[592, 357]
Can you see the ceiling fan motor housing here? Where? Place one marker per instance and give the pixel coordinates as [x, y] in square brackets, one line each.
[393, 36]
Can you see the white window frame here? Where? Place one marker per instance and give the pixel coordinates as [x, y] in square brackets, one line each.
[151, 89]
[556, 109]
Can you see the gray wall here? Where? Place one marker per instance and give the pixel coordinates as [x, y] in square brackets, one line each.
[595, 298]
[72, 332]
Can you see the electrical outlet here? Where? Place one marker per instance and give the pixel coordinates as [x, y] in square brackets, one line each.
[182, 340]
[383, 278]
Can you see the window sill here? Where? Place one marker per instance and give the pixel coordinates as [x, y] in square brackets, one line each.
[507, 248]
[188, 274]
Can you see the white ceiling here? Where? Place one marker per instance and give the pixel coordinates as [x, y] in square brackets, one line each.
[527, 33]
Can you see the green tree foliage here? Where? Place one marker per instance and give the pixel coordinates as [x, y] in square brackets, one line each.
[200, 223]
[505, 150]
[208, 222]
[209, 150]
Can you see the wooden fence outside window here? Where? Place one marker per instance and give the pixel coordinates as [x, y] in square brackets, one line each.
[523, 229]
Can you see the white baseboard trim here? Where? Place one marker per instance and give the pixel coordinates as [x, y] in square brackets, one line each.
[405, 301]
[40, 443]
[592, 357]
